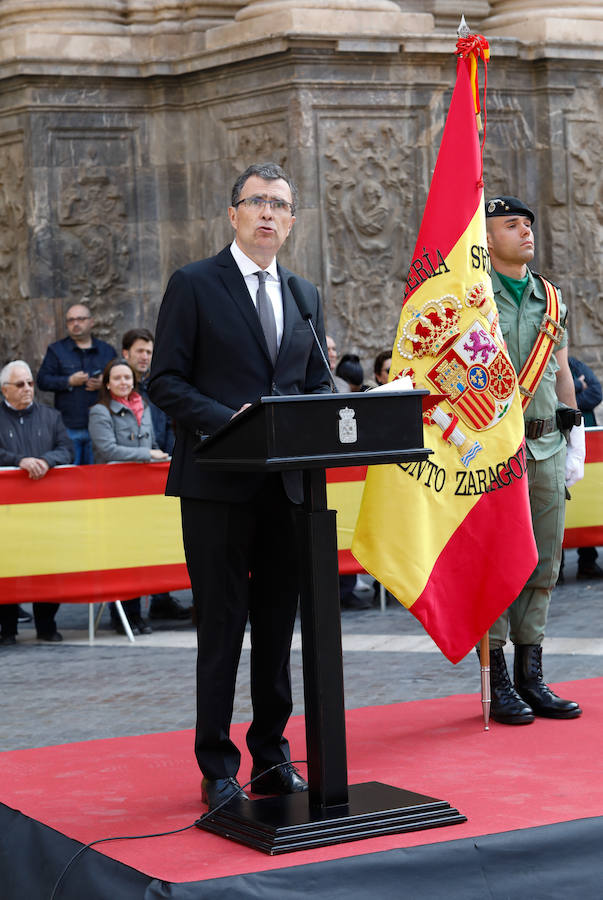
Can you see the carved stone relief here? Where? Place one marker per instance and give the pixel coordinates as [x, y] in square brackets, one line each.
[91, 215]
[15, 313]
[262, 138]
[369, 207]
[255, 138]
[585, 165]
[95, 220]
[508, 137]
[13, 232]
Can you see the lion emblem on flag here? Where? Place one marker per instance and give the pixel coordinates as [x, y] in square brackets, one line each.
[476, 376]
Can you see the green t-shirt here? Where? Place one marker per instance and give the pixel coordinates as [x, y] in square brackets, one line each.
[515, 286]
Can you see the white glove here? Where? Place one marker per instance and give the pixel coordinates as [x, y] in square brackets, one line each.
[575, 456]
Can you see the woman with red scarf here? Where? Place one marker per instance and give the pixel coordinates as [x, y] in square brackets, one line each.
[121, 430]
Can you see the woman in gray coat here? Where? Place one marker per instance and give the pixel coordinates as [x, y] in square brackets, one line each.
[120, 423]
[121, 430]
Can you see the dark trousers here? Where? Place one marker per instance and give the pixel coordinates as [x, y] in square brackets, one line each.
[130, 607]
[242, 562]
[44, 614]
[587, 557]
[8, 619]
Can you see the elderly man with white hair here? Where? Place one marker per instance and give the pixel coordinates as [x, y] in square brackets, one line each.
[32, 438]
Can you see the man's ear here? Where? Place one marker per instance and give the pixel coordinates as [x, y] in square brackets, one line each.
[488, 241]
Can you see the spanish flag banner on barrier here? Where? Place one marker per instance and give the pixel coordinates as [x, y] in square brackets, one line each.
[451, 537]
[89, 533]
[92, 533]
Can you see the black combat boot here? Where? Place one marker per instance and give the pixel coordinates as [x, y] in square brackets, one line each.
[506, 706]
[527, 671]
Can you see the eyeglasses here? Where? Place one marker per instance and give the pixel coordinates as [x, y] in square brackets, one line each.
[20, 384]
[73, 319]
[258, 203]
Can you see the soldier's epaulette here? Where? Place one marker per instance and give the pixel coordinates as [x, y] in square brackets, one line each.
[557, 288]
[548, 279]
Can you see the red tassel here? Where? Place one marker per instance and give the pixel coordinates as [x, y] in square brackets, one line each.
[477, 45]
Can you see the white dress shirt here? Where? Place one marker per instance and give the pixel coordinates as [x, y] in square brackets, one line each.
[273, 285]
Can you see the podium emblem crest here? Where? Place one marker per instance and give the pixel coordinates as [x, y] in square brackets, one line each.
[348, 432]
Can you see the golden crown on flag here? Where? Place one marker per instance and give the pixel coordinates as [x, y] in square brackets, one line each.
[431, 328]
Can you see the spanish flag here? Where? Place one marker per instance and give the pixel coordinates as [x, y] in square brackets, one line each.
[451, 537]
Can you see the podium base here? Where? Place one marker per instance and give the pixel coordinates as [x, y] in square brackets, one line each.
[284, 824]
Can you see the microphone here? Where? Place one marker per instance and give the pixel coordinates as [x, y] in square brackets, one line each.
[306, 314]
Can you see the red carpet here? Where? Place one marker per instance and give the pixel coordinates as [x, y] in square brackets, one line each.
[507, 778]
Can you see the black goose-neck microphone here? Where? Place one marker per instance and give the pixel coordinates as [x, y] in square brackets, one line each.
[306, 314]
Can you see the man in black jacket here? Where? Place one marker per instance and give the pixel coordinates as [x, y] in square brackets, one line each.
[32, 438]
[137, 349]
[72, 370]
[229, 331]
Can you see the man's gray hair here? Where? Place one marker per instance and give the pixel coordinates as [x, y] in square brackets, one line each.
[269, 172]
[8, 368]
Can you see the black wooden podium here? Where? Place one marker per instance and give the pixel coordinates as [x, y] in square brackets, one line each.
[311, 433]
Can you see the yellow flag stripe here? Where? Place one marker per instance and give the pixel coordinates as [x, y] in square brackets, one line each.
[345, 498]
[585, 509]
[89, 535]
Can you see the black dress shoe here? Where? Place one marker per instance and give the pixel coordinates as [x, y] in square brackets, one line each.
[23, 615]
[593, 571]
[216, 791]
[164, 606]
[284, 780]
[54, 638]
[7, 639]
[354, 601]
[140, 625]
[118, 626]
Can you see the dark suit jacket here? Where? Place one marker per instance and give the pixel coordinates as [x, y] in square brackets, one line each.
[210, 357]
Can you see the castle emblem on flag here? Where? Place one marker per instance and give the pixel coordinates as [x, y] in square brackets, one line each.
[471, 367]
[477, 378]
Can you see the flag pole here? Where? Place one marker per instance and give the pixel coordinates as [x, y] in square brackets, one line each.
[484, 658]
[464, 33]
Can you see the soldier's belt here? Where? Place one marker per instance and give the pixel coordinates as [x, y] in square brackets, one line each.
[536, 428]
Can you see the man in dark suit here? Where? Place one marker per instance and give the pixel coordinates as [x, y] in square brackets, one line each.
[229, 332]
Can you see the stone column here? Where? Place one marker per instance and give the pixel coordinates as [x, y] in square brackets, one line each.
[319, 18]
[108, 31]
[568, 21]
[447, 13]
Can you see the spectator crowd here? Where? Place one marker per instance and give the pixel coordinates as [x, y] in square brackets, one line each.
[101, 414]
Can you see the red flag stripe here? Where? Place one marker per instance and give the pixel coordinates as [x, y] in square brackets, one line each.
[589, 536]
[85, 483]
[88, 587]
[594, 444]
[457, 166]
[346, 473]
[446, 608]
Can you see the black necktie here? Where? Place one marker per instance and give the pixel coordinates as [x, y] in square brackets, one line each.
[266, 314]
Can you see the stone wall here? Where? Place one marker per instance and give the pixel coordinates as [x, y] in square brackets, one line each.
[113, 171]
